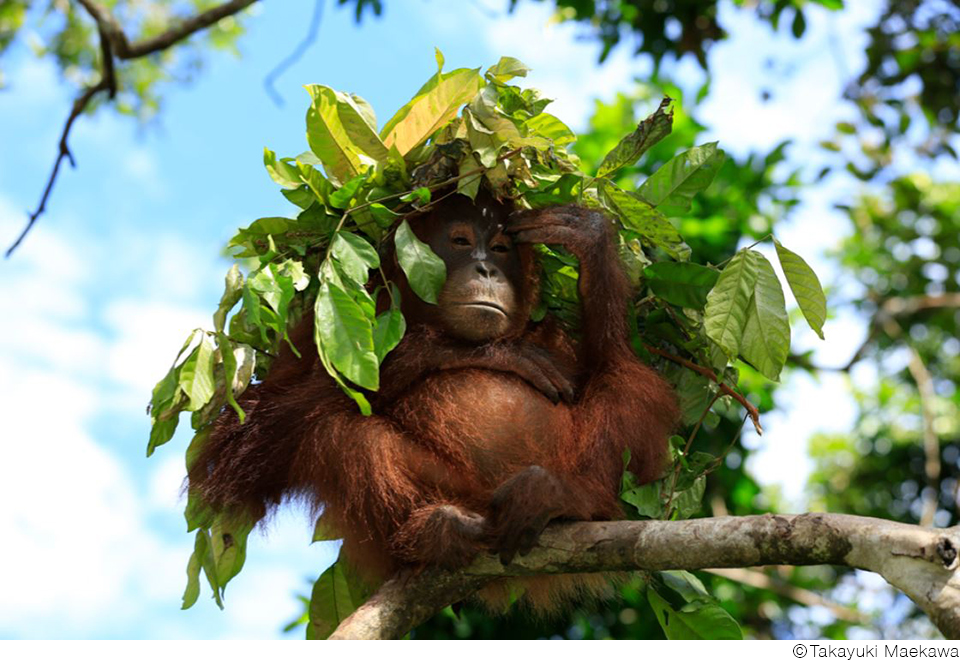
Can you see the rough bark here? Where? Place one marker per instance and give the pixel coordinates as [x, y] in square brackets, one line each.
[920, 562]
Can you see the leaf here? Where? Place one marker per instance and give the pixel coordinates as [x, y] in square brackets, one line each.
[283, 173]
[196, 376]
[420, 196]
[335, 596]
[672, 187]
[469, 185]
[354, 255]
[551, 128]
[343, 195]
[728, 303]
[360, 123]
[766, 335]
[639, 216]
[694, 620]
[388, 332]
[192, 592]
[506, 69]
[648, 132]
[694, 394]
[328, 137]
[684, 284]
[322, 531]
[229, 358]
[425, 271]
[688, 502]
[229, 545]
[646, 499]
[429, 111]
[161, 431]
[805, 287]
[345, 336]
[232, 292]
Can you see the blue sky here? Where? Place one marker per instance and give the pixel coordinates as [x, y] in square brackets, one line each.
[126, 262]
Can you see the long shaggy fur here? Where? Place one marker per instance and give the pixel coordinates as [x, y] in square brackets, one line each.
[450, 439]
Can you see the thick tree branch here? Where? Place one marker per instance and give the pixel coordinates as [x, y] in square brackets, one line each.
[919, 561]
[115, 44]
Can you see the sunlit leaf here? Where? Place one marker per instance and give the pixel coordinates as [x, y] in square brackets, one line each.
[346, 336]
[648, 132]
[805, 287]
[672, 187]
[766, 335]
[430, 110]
[425, 271]
[728, 303]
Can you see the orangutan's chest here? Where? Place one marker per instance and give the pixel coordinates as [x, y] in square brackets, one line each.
[490, 417]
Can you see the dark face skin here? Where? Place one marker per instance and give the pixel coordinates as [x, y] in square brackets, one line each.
[481, 297]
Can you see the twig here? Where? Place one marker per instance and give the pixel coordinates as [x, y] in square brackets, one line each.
[107, 83]
[931, 442]
[686, 452]
[755, 577]
[115, 44]
[708, 373]
[295, 54]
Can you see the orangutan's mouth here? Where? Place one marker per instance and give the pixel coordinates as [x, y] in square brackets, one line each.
[484, 304]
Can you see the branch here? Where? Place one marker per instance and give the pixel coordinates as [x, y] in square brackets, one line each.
[107, 83]
[708, 373]
[919, 561]
[295, 55]
[186, 27]
[115, 44]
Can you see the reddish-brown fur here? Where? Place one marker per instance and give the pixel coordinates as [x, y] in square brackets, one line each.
[458, 432]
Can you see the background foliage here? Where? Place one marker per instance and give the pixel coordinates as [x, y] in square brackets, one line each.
[897, 266]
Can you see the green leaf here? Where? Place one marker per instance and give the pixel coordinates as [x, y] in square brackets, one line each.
[766, 335]
[639, 216]
[805, 287]
[196, 376]
[672, 187]
[192, 592]
[283, 173]
[343, 195]
[232, 292]
[336, 594]
[431, 109]
[322, 531]
[345, 335]
[360, 123]
[425, 271]
[229, 545]
[694, 394]
[694, 621]
[229, 358]
[688, 502]
[388, 332]
[328, 137]
[550, 127]
[646, 499]
[469, 185]
[161, 431]
[506, 69]
[648, 132]
[684, 284]
[419, 196]
[354, 255]
[728, 303]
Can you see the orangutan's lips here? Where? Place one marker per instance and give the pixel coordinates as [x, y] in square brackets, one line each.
[486, 305]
